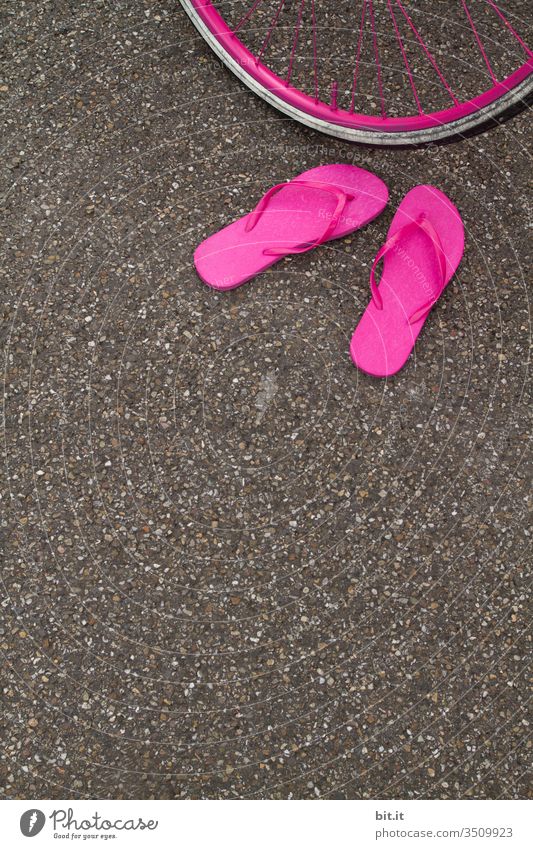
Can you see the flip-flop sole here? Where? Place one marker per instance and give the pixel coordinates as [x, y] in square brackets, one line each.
[294, 216]
[384, 339]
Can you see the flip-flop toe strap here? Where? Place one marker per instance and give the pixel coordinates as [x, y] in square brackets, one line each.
[424, 224]
[342, 199]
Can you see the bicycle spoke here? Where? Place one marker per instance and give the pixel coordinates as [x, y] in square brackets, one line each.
[479, 42]
[247, 16]
[315, 52]
[272, 27]
[376, 57]
[427, 52]
[405, 59]
[295, 41]
[358, 55]
[509, 27]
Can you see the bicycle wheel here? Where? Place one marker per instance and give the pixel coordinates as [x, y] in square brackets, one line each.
[377, 71]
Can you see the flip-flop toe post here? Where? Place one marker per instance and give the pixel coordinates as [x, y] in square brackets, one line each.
[324, 203]
[421, 254]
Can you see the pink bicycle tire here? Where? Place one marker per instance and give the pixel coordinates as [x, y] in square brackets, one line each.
[331, 119]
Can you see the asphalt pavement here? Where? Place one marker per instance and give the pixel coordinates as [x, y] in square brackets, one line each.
[235, 566]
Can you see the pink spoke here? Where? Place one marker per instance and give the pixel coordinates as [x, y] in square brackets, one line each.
[479, 42]
[315, 54]
[334, 95]
[358, 55]
[427, 52]
[509, 27]
[405, 59]
[376, 57]
[295, 42]
[247, 16]
[271, 29]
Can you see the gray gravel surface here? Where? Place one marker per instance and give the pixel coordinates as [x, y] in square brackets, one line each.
[235, 566]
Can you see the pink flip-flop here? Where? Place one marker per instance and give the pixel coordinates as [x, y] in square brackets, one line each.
[324, 203]
[423, 250]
